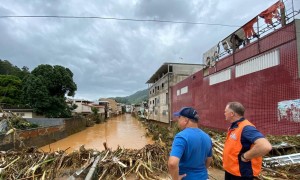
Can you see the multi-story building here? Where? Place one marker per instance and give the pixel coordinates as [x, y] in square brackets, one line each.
[113, 109]
[106, 108]
[159, 84]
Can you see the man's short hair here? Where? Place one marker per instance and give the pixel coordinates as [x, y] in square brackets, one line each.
[237, 108]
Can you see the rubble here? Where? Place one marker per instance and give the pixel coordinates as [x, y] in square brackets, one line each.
[149, 162]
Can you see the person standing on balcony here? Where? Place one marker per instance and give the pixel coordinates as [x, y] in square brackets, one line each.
[244, 145]
[191, 152]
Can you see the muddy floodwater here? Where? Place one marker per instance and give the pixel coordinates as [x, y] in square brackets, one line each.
[124, 130]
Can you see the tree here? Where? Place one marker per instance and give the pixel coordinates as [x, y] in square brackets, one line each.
[6, 68]
[45, 90]
[35, 94]
[59, 80]
[10, 90]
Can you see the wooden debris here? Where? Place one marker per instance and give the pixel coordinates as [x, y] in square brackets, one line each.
[115, 164]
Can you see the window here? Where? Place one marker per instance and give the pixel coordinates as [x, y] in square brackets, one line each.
[167, 98]
[20, 114]
[259, 63]
[170, 68]
[184, 90]
[220, 77]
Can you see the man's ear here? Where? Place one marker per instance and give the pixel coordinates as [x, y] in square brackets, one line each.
[233, 114]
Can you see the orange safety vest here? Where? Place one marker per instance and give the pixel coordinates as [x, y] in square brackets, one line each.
[232, 152]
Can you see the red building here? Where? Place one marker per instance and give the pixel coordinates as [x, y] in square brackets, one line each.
[263, 76]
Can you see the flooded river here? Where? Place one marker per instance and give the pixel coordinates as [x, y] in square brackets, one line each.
[125, 131]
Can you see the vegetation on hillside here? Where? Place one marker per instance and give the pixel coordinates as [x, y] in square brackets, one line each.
[11, 83]
[135, 98]
[10, 89]
[6, 68]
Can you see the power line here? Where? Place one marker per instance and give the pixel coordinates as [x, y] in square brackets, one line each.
[129, 19]
[124, 19]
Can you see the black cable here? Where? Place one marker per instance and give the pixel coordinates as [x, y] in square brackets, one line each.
[128, 19]
[123, 19]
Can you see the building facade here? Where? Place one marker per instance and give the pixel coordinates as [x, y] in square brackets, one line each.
[159, 86]
[84, 107]
[263, 76]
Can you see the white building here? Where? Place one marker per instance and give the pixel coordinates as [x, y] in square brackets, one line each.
[83, 106]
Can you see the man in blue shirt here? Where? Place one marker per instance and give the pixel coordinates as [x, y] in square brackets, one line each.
[191, 152]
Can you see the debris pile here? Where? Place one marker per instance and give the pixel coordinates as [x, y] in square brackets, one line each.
[282, 145]
[149, 162]
[10, 120]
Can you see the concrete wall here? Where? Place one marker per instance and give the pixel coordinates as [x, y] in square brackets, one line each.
[46, 122]
[51, 131]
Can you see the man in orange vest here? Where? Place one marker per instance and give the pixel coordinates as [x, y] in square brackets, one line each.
[244, 145]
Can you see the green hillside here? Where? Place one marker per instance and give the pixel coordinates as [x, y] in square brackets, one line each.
[135, 98]
[138, 97]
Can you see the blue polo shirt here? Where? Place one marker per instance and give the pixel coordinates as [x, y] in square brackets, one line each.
[192, 146]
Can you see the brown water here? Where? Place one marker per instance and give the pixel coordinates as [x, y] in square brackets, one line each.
[124, 130]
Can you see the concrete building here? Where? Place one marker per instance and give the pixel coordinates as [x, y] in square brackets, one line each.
[24, 113]
[159, 85]
[84, 107]
[113, 109]
[106, 106]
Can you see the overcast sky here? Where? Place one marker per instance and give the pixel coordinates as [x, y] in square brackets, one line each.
[111, 57]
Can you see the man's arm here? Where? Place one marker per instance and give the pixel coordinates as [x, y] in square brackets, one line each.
[260, 148]
[208, 162]
[173, 165]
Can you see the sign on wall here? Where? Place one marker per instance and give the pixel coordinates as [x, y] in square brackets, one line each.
[289, 110]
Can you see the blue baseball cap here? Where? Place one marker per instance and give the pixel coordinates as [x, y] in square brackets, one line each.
[188, 112]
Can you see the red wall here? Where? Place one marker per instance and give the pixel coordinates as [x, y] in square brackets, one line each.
[259, 92]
